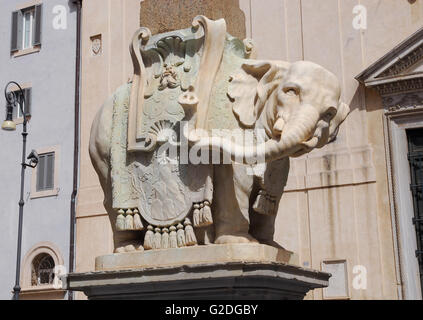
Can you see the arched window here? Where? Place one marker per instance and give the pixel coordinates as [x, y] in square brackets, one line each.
[42, 270]
[39, 264]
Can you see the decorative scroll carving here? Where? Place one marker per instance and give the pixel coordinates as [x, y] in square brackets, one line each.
[415, 84]
[403, 102]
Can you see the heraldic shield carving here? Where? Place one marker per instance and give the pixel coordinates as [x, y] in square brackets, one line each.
[152, 179]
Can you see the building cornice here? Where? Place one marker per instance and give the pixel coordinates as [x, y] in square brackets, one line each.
[399, 59]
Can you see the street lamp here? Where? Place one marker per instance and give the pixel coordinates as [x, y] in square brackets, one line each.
[18, 101]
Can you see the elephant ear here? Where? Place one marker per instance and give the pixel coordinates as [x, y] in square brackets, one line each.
[250, 88]
[341, 115]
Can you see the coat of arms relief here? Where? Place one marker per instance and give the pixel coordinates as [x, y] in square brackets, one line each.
[190, 91]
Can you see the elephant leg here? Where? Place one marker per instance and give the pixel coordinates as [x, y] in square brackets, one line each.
[272, 181]
[231, 203]
[99, 149]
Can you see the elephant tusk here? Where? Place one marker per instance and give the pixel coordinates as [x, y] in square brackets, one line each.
[312, 143]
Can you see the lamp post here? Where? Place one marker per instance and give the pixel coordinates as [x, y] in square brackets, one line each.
[12, 101]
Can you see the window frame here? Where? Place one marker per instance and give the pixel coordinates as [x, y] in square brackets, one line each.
[31, 12]
[36, 291]
[43, 187]
[402, 211]
[46, 193]
[18, 47]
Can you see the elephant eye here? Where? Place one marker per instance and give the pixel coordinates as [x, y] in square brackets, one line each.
[291, 91]
[329, 115]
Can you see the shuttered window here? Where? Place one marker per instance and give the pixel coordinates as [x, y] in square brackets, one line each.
[26, 28]
[17, 113]
[45, 172]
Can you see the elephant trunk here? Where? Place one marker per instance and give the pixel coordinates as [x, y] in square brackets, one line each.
[299, 129]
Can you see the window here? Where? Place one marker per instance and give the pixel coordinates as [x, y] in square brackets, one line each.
[42, 270]
[415, 157]
[28, 24]
[45, 174]
[26, 28]
[44, 181]
[42, 267]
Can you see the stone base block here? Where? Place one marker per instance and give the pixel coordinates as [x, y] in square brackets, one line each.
[242, 271]
[195, 255]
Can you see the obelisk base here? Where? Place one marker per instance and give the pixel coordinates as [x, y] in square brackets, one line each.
[265, 273]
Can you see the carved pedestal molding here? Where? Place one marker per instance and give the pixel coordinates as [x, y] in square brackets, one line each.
[239, 271]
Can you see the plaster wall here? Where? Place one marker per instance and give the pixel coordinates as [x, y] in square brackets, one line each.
[51, 74]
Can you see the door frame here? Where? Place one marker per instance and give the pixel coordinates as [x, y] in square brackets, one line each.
[402, 208]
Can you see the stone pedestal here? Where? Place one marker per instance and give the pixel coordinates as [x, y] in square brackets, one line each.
[241, 271]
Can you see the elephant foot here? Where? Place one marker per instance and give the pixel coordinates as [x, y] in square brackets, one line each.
[226, 239]
[130, 246]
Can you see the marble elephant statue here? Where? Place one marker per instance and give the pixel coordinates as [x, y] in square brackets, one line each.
[208, 79]
[297, 107]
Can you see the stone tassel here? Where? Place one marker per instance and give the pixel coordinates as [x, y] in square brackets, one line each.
[165, 238]
[120, 221]
[129, 220]
[148, 239]
[137, 221]
[173, 242]
[207, 214]
[259, 204]
[196, 215]
[180, 235]
[190, 238]
[201, 224]
[157, 242]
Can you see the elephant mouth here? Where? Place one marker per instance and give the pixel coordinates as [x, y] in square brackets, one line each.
[311, 143]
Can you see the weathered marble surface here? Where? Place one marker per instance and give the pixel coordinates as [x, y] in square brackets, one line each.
[195, 255]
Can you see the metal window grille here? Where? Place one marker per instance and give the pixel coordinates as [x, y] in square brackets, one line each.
[415, 157]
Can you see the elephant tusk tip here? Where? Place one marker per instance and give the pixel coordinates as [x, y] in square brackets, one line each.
[312, 143]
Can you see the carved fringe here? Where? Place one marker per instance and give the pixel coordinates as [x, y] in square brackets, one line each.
[173, 242]
[148, 239]
[120, 221]
[207, 214]
[202, 215]
[190, 238]
[129, 219]
[157, 242]
[180, 235]
[196, 215]
[173, 237]
[129, 222]
[137, 222]
[165, 238]
[265, 203]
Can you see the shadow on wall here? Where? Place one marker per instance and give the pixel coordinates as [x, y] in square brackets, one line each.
[164, 15]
